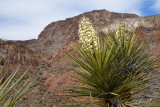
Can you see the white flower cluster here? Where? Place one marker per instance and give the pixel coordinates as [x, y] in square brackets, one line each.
[119, 32]
[87, 35]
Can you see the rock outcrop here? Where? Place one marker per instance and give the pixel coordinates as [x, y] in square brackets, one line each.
[60, 33]
[18, 54]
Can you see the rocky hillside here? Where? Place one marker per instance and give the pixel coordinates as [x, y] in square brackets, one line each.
[60, 33]
[147, 27]
[18, 54]
[52, 67]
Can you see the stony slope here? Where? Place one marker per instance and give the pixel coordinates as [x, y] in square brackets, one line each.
[53, 70]
[18, 56]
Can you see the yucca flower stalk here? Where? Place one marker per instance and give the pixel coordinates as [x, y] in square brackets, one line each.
[87, 35]
[111, 71]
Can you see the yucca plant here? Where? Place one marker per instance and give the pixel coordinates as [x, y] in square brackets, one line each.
[8, 99]
[113, 69]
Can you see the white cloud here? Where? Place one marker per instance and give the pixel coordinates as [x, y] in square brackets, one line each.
[119, 5]
[25, 19]
[156, 5]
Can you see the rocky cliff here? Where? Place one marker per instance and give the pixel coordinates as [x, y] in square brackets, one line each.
[53, 70]
[18, 54]
[60, 33]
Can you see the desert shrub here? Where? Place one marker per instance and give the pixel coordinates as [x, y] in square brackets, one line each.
[113, 68]
[8, 97]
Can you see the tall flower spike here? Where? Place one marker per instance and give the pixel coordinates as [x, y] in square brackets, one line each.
[120, 31]
[87, 35]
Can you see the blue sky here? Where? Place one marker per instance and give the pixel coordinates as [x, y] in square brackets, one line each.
[25, 19]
